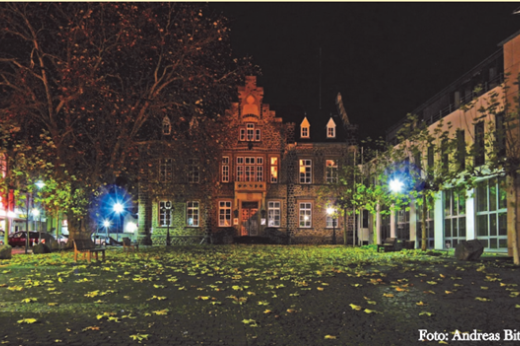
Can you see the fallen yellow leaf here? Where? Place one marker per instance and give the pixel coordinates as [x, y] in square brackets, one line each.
[355, 307]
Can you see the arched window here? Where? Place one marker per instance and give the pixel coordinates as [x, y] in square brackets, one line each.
[166, 126]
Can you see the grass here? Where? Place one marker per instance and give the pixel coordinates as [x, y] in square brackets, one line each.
[281, 288]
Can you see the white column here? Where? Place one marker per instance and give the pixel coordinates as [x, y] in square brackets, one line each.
[413, 222]
[438, 223]
[470, 215]
[393, 222]
[377, 228]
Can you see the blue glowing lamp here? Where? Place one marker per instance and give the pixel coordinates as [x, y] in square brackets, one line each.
[118, 208]
[396, 185]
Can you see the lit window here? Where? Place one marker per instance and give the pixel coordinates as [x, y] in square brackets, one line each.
[193, 171]
[305, 128]
[165, 213]
[166, 126]
[274, 169]
[250, 169]
[249, 133]
[305, 171]
[165, 170]
[225, 169]
[305, 215]
[192, 212]
[224, 214]
[273, 214]
[331, 167]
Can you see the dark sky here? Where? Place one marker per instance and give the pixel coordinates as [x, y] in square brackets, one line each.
[385, 58]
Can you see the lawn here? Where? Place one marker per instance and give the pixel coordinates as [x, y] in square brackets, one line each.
[256, 295]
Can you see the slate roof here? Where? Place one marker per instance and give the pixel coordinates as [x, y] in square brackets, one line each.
[318, 124]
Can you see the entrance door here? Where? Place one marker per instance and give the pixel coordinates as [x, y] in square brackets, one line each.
[249, 219]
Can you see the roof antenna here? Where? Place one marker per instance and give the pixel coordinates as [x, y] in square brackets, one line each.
[320, 81]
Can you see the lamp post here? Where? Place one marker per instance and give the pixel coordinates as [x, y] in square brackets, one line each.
[40, 184]
[331, 212]
[35, 213]
[106, 224]
[167, 209]
[118, 209]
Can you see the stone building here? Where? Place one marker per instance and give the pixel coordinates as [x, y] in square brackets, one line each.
[263, 181]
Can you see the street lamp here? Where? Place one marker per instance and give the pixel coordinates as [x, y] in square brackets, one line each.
[35, 212]
[331, 212]
[167, 209]
[106, 224]
[396, 185]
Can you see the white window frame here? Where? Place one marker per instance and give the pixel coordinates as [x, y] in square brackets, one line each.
[493, 209]
[250, 133]
[331, 132]
[331, 171]
[304, 133]
[225, 169]
[306, 175]
[305, 214]
[274, 214]
[224, 214]
[162, 214]
[250, 169]
[331, 222]
[193, 211]
[193, 171]
[166, 126]
[165, 170]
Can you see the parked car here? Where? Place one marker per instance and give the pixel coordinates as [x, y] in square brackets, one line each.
[100, 239]
[18, 238]
[62, 239]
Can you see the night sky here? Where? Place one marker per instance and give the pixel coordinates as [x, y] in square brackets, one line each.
[386, 59]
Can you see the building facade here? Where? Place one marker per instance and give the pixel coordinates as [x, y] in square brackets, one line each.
[486, 211]
[265, 180]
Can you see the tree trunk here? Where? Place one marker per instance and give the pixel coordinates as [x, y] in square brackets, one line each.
[514, 240]
[345, 227]
[78, 228]
[423, 220]
[354, 229]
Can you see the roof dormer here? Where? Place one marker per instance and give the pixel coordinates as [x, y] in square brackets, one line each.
[166, 125]
[331, 128]
[305, 129]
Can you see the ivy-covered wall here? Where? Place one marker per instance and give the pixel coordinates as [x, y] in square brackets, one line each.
[180, 233]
